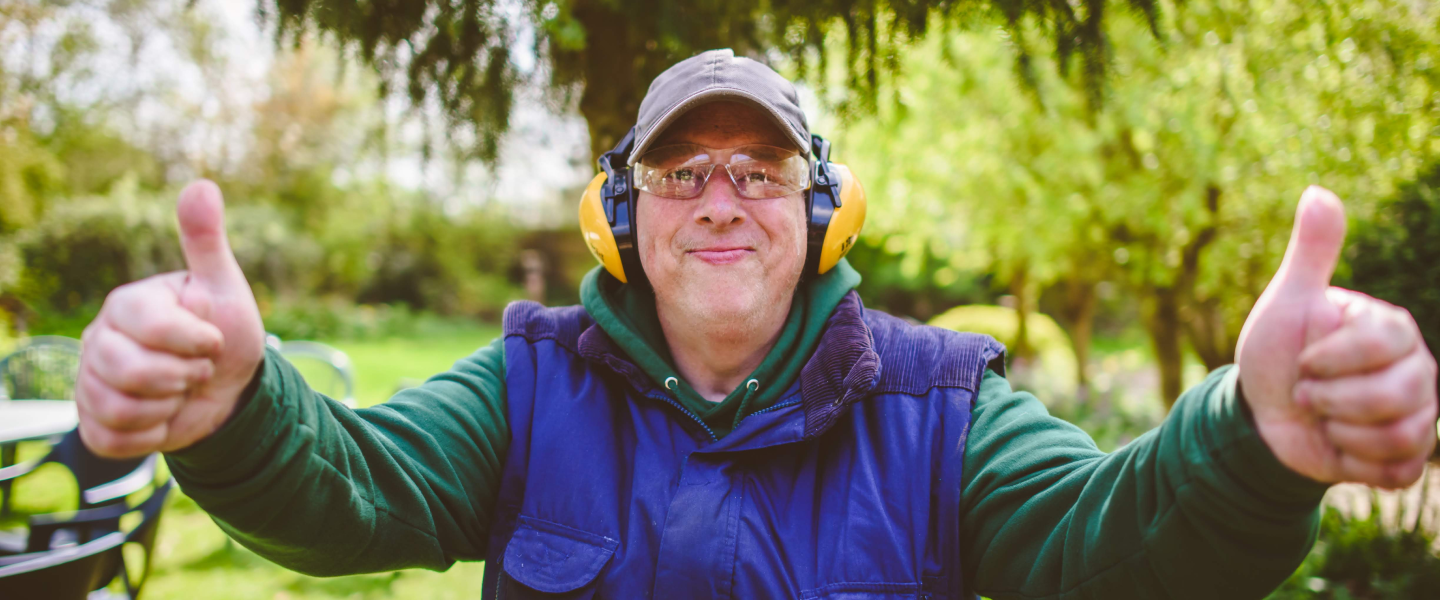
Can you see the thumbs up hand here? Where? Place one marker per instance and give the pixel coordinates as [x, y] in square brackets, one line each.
[165, 361]
[1341, 385]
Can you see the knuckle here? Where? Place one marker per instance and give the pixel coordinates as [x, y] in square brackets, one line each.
[153, 330]
[118, 297]
[125, 413]
[1403, 439]
[1401, 475]
[126, 374]
[1400, 327]
[1372, 344]
[97, 439]
[88, 391]
[1386, 396]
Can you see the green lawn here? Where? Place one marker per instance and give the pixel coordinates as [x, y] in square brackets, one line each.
[382, 366]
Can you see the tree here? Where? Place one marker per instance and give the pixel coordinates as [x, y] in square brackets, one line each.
[1182, 185]
[458, 54]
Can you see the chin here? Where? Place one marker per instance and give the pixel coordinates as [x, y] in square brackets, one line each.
[726, 296]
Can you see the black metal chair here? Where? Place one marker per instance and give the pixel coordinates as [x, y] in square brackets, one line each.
[101, 481]
[45, 367]
[85, 567]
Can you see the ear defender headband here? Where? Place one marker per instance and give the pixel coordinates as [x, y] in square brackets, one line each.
[834, 205]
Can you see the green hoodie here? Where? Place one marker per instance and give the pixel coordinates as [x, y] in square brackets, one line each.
[627, 314]
[1197, 508]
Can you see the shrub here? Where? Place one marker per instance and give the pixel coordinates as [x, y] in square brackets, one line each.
[339, 319]
[1361, 557]
[81, 250]
[1051, 375]
[1396, 256]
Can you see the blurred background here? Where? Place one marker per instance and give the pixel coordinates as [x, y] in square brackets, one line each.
[1104, 186]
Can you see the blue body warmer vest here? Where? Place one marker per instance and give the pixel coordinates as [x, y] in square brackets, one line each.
[847, 487]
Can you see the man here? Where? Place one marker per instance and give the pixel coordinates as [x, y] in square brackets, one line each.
[729, 423]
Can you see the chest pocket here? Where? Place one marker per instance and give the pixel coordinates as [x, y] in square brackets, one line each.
[560, 561]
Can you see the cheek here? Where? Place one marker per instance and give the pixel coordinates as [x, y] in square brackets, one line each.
[786, 229]
[655, 226]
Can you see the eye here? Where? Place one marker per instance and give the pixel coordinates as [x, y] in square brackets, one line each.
[681, 174]
[757, 177]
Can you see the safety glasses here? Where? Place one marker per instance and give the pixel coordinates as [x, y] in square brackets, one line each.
[681, 171]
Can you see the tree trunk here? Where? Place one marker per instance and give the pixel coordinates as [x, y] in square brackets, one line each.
[1203, 320]
[1020, 289]
[1165, 329]
[617, 71]
[1166, 322]
[1078, 314]
[1207, 330]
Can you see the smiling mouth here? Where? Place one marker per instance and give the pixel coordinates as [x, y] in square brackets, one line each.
[721, 256]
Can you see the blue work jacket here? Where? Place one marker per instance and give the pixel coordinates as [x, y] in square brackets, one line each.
[847, 487]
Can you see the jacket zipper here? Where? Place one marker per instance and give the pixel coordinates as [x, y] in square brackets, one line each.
[686, 412]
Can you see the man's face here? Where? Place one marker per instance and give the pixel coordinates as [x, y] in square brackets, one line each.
[721, 255]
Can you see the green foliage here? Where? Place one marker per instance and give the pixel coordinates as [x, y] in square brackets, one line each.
[899, 280]
[451, 264]
[1180, 190]
[409, 254]
[1364, 558]
[29, 174]
[334, 319]
[457, 54]
[1051, 375]
[1396, 256]
[79, 251]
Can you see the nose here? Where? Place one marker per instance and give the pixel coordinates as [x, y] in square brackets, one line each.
[719, 202]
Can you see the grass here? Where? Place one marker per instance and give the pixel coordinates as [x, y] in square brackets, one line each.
[383, 366]
[195, 559]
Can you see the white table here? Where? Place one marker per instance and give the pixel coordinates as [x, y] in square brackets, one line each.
[24, 420]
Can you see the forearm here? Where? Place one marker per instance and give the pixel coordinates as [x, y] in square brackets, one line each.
[1198, 508]
[326, 490]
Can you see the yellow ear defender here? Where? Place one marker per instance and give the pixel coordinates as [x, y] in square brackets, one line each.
[835, 206]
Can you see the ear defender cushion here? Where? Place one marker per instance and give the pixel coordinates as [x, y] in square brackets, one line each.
[845, 223]
[596, 229]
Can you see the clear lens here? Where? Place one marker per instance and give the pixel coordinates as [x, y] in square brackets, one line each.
[758, 172]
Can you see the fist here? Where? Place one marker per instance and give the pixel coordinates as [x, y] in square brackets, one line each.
[1341, 385]
[165, 361]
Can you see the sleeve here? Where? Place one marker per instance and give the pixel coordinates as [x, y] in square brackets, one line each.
[1196, 508]
[326, 490]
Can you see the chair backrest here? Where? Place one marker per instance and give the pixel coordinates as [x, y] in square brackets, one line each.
[99, 480]
[100, 524]
[326, 369]
[63, 574]
[44, 367]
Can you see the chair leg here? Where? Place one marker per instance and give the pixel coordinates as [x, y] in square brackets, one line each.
[7, 458]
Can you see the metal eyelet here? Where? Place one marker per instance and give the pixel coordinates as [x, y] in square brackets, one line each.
[671, 383]
[752, 385]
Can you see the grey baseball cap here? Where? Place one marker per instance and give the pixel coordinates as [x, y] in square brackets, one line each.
[718, 75]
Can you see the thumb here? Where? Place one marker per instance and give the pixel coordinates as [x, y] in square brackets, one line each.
[1315, 243]
[202, 234]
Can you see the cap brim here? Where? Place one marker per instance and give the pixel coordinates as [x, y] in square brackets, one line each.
[706, 96]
